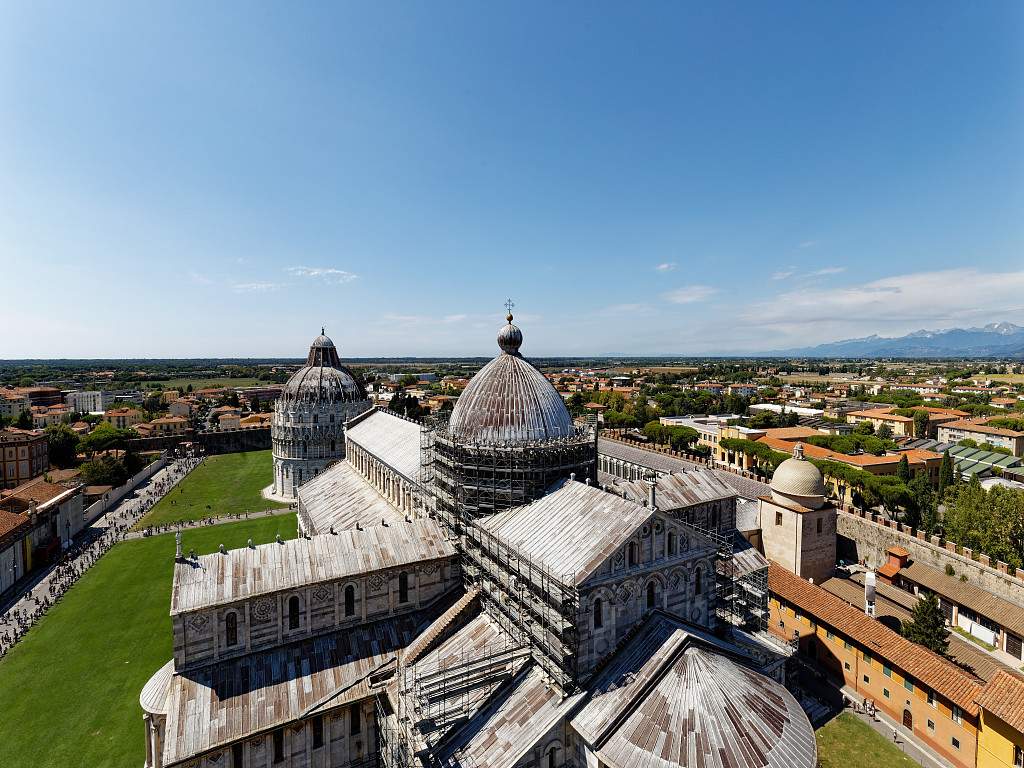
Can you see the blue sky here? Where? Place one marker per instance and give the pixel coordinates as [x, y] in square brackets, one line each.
[220, 179]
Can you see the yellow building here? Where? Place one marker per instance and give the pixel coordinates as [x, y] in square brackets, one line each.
[1001, 737]
[122, 418]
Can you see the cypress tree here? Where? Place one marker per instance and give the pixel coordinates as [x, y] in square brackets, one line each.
[945, 472]
[903, 470]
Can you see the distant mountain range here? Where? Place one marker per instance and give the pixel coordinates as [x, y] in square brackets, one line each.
[992, 340]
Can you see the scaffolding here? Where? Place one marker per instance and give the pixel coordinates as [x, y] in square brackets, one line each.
[537, 608]
[478, 479]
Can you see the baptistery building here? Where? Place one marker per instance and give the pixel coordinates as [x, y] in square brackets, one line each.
[308, 427]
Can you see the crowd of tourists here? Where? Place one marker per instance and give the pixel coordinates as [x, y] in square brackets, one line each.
[92, 544]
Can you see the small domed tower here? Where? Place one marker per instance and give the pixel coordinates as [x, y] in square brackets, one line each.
[308, 428]
[509, 437]
[798, 525]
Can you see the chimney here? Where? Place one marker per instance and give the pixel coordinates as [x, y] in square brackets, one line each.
[869, 593]
[652, 494]
[178, 553]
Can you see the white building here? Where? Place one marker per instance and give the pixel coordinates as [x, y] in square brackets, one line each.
[90, 401]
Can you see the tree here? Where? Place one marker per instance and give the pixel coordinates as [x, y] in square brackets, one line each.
[62, 444]
[864, 428]
[407, 405]
[945, 472]
[105, 470]
[24, 420]
[884, 432]
[763, 420]
[920, 423]
[903, 469]
[927, 626]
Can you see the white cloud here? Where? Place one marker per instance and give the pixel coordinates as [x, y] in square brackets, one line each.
[328, 274]
[808, 243]
[689, 294]
[200, 279]
[455, 318]
[788, 272]
[895, 305]
[260, 287]
[668, 266]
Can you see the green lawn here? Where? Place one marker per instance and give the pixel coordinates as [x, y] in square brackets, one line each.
[227, 484]
[208, 383]
[69, 691]
[848, 742]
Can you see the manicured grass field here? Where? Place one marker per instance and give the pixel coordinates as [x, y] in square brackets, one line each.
[227, 484]
[69, 691]
[847, 742]
[207, 383]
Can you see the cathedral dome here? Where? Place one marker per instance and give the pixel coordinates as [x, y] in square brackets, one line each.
[323, 377]
[798, 480]
[509, 401]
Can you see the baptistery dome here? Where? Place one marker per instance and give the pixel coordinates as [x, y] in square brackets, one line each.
[797, 480]
[509, 401]
[308, 428]
[323, 377]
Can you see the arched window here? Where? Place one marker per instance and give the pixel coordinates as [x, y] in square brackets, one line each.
[316, 419]
[698, 578]
[403, 587]
[714, 516]
[350, 600]
[631, 554]
[553, 757]
[293, 612]
[305, 447]
[650, 595]
[332, 446]
[598, 614]
[231, 629]
[671, 543]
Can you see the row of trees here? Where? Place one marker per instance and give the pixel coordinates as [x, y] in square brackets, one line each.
[682, 439]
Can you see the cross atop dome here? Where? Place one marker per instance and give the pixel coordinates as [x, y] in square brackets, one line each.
[510, 338]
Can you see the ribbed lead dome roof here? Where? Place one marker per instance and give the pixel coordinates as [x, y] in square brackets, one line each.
[509, 401]
[796, 479]
[323, 377]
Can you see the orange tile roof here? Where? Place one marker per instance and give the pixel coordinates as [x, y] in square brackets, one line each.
[982, 427]
[817, 452]
[923, 665]
[11, 521]
[792, 433]
[898, 551]
[880, 413]
[889, 570]
[1002, 696]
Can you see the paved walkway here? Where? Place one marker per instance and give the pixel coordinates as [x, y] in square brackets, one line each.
[48, 586]
[185, 525]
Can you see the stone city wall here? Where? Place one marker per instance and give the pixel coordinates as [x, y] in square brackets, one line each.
[871, 535]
